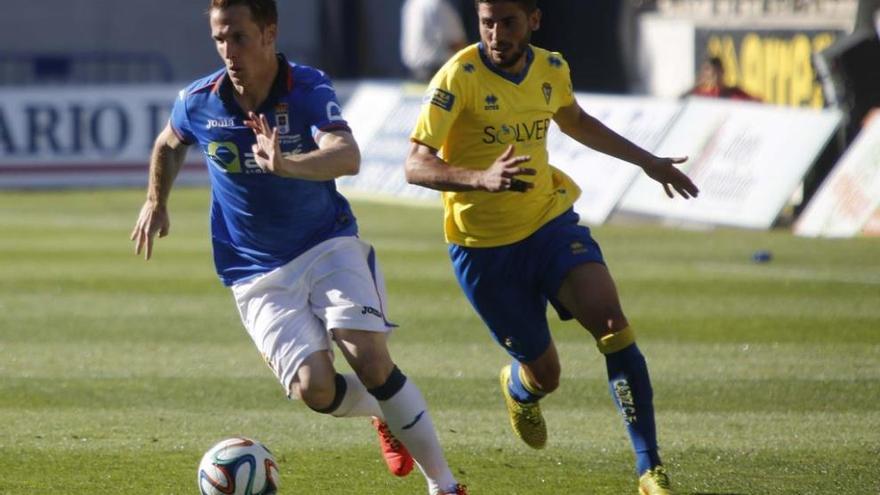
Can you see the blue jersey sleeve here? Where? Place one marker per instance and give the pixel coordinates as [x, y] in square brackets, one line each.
[323, 109]
[180, 120]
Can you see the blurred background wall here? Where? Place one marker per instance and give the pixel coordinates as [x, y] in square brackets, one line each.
[95, 40]
[123, 62]
[614, 46]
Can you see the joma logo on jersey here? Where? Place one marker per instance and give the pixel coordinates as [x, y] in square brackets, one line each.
[212, 123]
[520, 133]
[372, 311]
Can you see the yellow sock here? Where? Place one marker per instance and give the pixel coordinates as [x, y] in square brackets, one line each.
[527, 384]
[616, 341]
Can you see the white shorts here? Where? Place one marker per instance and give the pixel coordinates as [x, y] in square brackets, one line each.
[290, 311]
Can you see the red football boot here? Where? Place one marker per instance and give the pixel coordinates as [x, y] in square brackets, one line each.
[399, 462]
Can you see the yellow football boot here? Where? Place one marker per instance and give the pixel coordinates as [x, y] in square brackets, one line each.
[655, 482]
[525, 419]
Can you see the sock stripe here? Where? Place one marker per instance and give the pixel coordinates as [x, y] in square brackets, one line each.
[616, 341]
[396, 380]
[528, 385]
[519, 387]
[418, 418]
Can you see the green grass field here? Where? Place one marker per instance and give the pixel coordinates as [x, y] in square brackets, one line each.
[116, 374]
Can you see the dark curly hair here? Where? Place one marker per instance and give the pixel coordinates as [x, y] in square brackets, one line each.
[528, 5]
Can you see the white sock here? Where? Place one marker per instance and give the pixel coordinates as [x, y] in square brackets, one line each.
[357, 402]
[407, 416]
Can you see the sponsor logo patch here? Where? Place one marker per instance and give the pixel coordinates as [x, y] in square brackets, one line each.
[222, 123]
[492, 103]
[623, 393]
[520, 132]
[440, 98]
[334, 112]
[225, 156]
[372, 311]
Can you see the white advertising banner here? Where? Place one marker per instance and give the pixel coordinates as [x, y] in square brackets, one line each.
[382, 117]
[746, 158]
[83, 136]
[850, 196]
[602, 178]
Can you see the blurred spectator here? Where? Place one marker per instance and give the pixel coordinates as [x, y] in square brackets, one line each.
[877, 22]
[589, 33]
[873, 114]
[710, 83]
[432, 31]
[340, 33]
[866, 15]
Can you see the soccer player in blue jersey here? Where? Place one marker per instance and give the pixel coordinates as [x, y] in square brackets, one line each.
[515, 242]
[284, 240]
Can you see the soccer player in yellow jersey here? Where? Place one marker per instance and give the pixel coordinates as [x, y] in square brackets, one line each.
[515, 242]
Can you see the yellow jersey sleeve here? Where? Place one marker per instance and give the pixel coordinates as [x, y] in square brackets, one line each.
[441, 106]
[567, 92]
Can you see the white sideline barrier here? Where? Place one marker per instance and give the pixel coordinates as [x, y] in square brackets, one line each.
[382, 116]
[83, 136]
[602, 178]
[746, 158]
[848, 202]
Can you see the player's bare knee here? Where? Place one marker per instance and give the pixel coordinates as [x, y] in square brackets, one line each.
[373, 373]
[316, 394]
[609, 321]
[617, 321]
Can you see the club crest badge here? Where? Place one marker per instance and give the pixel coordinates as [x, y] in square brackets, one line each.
[548, 92]
[282, 118]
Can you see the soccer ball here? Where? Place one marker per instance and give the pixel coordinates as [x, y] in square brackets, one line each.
[238, 466]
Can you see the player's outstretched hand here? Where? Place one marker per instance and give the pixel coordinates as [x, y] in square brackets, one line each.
[663, 171]
[267, 150]
[502, 175]
[152, 220]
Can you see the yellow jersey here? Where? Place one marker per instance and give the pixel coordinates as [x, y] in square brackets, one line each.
[472, 112]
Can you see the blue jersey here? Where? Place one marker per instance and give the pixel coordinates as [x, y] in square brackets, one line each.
[260, 221]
